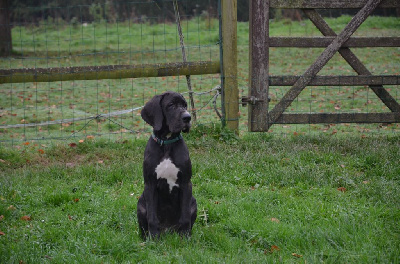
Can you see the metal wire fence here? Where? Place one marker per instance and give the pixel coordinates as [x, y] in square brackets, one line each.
[140, 33]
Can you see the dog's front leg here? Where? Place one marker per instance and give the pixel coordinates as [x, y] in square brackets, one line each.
[185, 204]
[150, 193]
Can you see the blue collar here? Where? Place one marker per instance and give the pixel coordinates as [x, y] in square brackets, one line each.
[166, 142]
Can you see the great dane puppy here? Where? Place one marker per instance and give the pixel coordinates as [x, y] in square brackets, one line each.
[167, 203]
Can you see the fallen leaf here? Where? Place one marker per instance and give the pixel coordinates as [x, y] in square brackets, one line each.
[81, 141]
[276, 220]
[11, 207]
[1, 217]
[365, 182]
[274, 248]
[341, 189]
[41, 151]
[72, 145]
[90, 137]
[76, 200]
[26, 218]
[1, 233]
[26, 143]
[297, 255]
[100, 162]
[2, 161]
[70, 164]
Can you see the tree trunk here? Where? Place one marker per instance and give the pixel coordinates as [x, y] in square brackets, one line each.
[5, 29]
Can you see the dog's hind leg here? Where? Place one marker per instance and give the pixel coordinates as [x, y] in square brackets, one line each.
[142, 217]
[193, 211]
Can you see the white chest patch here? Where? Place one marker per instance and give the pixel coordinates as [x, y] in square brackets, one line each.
[167, 170]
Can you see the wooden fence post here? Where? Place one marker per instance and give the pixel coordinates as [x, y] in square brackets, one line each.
[258, 64]
[5, 29]
[230, 91]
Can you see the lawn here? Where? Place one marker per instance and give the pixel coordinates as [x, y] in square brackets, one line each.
[297, 194]
[261, 199]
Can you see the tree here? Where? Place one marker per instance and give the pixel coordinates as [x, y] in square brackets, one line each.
[5, 29]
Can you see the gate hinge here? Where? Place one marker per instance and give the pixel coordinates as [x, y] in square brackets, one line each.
[251, 100]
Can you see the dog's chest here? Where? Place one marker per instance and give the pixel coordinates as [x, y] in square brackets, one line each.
[168, 171]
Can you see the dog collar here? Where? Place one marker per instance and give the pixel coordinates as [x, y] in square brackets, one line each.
[166, 142]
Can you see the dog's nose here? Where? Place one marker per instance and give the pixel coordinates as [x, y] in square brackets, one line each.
[186, 117]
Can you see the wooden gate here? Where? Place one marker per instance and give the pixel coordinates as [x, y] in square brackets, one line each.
[261, 118]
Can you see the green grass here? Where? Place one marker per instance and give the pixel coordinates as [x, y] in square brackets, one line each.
[261, 199]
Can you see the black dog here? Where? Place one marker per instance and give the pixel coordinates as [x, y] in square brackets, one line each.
[167, 203]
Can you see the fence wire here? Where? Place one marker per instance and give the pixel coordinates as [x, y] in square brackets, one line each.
[98, 34]
[144, 32]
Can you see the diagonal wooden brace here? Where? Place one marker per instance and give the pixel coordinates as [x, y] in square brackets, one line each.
[322, 60]
[352, 60]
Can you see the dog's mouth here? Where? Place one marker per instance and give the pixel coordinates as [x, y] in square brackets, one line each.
[186, 129]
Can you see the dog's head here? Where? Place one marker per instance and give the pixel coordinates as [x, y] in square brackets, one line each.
[167, 111]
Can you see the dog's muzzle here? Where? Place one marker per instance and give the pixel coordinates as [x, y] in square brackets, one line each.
[186, 118]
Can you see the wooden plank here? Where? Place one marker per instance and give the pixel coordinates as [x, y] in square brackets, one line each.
[353, 61]
[322, 42]
[107, 72]
[258, 64]
[335, 4]
[230, 90]
[359, 80]
[337, 118]
[321, 61]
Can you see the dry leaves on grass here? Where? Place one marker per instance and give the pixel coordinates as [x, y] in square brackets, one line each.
[11, 207]
[273, 249]
[26, 218]
[275, 220]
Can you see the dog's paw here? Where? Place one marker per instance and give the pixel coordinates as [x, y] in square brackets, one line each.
[154, 231]
[184, 227]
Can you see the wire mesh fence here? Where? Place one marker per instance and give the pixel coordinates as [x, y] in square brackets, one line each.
[99, 34]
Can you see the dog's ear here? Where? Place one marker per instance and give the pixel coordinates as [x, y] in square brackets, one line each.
[152, 112]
